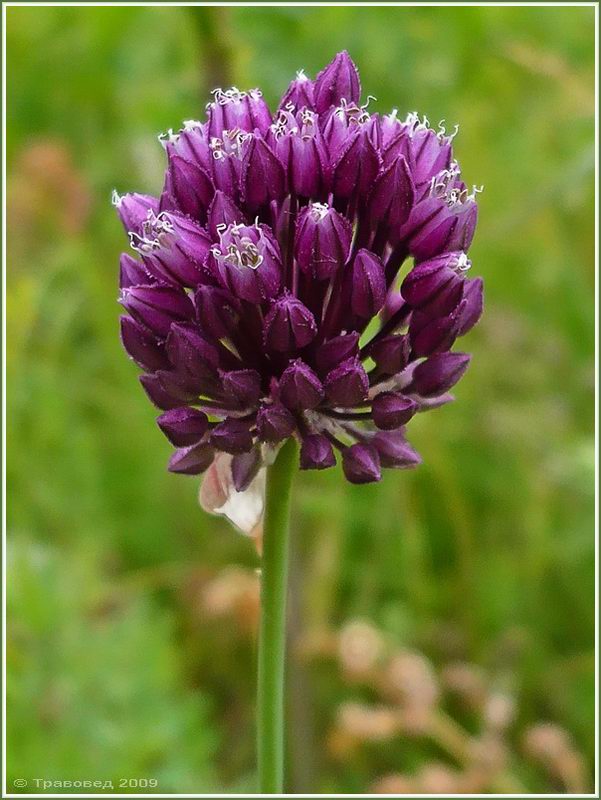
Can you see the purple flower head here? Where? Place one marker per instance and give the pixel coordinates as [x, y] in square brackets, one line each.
[264, 292]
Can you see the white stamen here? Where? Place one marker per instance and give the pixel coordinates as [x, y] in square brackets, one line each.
[233, 95]
[463, 263]
[319, 211]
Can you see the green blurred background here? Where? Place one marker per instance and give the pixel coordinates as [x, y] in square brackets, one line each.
[131, 649]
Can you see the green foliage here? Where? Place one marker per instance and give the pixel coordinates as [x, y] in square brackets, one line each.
[485, 552]
[96, 690]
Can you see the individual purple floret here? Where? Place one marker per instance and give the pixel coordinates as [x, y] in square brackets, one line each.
[275, 244]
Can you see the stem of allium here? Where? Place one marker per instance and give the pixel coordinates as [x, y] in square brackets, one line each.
[272, 633]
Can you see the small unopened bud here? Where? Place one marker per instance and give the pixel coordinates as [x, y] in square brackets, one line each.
[300, 388]
[338, 81]
[316, 452]
[361, 463]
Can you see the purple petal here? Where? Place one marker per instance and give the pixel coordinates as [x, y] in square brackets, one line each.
[361, 463]
[338, 81]
[391, 410]
[300, 388]
[191, 460]
[316, 452]
[347, 385]
[142, 346]
[183, 426]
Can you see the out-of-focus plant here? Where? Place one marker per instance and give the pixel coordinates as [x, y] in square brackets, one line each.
[458, 725]
[71, 696]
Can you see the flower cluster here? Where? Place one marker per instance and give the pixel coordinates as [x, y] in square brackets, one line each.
[276, 244]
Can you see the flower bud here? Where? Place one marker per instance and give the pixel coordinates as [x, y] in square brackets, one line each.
[288, 325]
[242, 385]
[133, 209]
[316, 452]
[156, 394]
[157, 307]
[174, 248]
[393, 306]
[216, 310]
[428, 152]
[304, 158]
[435, 286]
[182, 385]
[299, 94]
[322, 241]
[227, 153]
[392, 196]
[232, 436]
[191, 460]
[472, 310]
[438, 373]
[274, 423]
[299, 387]
[191, 144]
[391, 353]
[390, 127]
[338, 81]
[233, 109]
[361, 463]
[190, 186]
[133, 273]
[429, 335]
[142, 346]
[247, 262]
[262, 177]
[394, 451]
[190, 352]
[368, 284]
[448, 227]
[356, 167]
[183, 426]
[390, 410]
[337, 131]
[245, 467]
[222, 213]
[331, 353]
[347, 385]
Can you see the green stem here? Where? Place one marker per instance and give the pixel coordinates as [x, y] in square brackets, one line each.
[272, 634]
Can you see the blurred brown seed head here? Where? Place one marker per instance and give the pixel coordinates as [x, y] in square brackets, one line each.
[410, 681]
[488, 753]
[437, 779]
[550, 745]
[546, 742]
[368, 723]
[360, 646]
[467, 681]
[499, 711]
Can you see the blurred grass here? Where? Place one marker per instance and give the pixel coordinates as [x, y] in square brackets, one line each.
[485, 552]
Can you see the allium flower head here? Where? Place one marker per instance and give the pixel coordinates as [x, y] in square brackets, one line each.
[276, 242]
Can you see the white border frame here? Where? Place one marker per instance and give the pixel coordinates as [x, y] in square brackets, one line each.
[6, 5]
